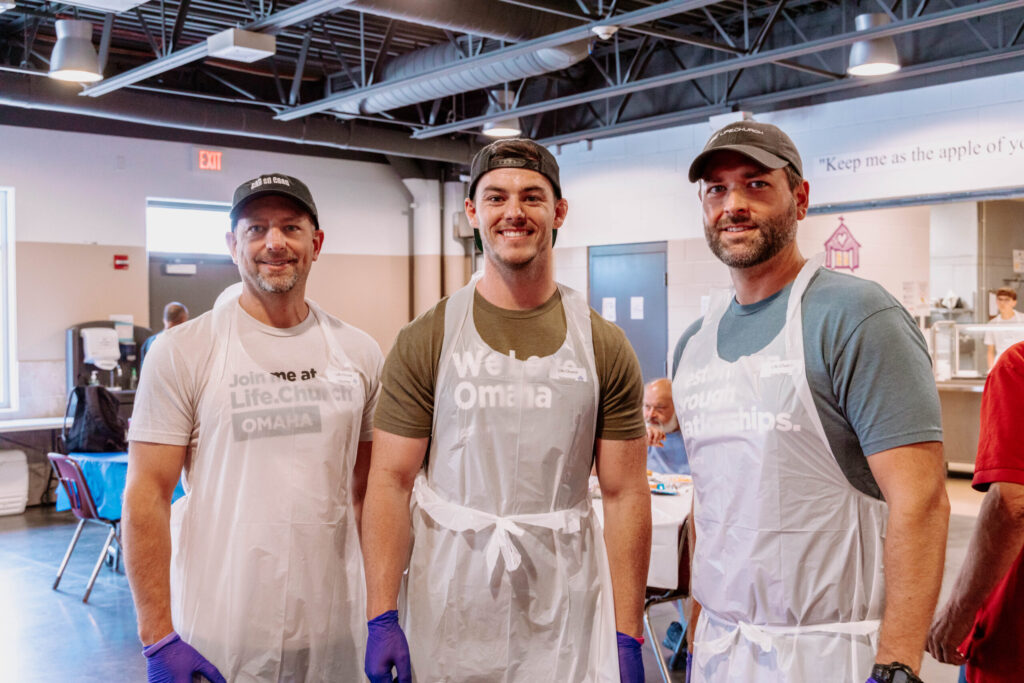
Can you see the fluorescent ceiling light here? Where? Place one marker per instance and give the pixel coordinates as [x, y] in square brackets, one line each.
[112, 6]
[876, 56]
[74, 58]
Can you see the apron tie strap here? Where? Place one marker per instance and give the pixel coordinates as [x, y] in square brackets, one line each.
[460, 518]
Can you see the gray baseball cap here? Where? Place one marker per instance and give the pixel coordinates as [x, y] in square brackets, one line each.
[274, 183]
[764, 143]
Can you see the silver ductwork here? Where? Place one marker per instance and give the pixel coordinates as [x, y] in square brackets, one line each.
[491, 19]
[32, 92]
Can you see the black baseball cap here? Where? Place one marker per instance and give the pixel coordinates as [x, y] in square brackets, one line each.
[764, 143]
[274, 183]
[515, 153]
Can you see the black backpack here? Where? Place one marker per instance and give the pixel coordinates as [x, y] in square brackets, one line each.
[97, 428]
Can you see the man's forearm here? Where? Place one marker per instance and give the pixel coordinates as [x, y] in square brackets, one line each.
[147, 551]
[627, 534]
[996, 543]
[915, 551]
[385, 537]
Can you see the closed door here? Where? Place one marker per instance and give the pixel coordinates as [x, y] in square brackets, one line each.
[628, 287]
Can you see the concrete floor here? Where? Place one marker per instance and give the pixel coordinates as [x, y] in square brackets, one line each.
[48, 635]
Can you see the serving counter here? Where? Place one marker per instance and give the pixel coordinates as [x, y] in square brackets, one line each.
[961, 414]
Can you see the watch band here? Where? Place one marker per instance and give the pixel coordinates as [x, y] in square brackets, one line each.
[894, 672]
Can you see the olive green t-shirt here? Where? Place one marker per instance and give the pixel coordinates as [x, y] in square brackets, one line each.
[406, 405]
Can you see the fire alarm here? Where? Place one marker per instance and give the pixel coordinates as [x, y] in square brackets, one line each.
[120, 261]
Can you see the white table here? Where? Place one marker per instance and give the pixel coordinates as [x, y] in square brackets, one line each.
[35, 424]
[667, 516]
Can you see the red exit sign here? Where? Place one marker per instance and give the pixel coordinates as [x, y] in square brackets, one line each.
[210, 160]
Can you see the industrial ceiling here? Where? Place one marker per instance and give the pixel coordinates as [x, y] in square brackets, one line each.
[418, 78]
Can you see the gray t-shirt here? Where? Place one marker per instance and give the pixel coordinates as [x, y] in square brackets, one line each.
[867, 366]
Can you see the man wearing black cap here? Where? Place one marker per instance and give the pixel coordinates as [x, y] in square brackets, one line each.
[515, 386]
[812, 426]
[266, 404]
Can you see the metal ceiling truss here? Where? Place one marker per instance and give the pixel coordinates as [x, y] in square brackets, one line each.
[426, 69]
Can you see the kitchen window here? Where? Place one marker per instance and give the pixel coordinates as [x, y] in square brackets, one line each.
[8, 350]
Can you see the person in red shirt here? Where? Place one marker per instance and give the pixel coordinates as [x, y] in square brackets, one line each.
[982, 625]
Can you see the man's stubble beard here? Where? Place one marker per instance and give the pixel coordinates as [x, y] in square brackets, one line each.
[773, 235]
[668, 427]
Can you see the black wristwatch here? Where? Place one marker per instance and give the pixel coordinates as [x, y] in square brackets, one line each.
[894, 672]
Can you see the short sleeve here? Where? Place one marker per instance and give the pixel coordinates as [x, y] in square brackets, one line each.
[164, 409]
[406, 404]
[883, 382]
[620, 412]
[373, 374]
[1000, 448]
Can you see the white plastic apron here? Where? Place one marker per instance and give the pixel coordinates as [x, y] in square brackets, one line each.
[508, 579]
[266, 573]
[788, 561]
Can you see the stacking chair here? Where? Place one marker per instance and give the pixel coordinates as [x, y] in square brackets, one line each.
[69, 473]
[658, 596]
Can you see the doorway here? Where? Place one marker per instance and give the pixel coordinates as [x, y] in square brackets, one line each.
[628, 286]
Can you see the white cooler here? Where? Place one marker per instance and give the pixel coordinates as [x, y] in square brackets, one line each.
[13, 482]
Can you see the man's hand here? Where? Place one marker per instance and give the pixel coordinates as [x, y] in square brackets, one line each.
[172, 660]
[947, 633]
[631, 661]
[655, 436]
[387, 649]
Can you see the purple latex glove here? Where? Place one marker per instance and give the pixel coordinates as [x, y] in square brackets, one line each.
[631, 661]
[689, 666]
[387, 648]
[172, 660]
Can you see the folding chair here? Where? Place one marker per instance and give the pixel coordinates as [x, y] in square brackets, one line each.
[658, 596]
[69, 473]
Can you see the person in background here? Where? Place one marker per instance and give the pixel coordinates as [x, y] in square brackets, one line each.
[997, 341]
[516, 386]
[982, 624]
[266, 403]
[175, 314]
[666, 453]
[813, 431]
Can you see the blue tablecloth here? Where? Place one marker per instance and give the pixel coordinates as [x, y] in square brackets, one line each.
[106, 474]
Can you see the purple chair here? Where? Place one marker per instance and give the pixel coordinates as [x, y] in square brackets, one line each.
[70, 475]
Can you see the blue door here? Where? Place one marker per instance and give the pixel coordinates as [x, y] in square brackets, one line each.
[628, 287]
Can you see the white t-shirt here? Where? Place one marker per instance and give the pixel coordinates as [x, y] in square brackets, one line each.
[1003, 340]
[176, 371]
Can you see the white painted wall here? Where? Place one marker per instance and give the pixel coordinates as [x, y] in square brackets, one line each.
[954, 251]
[82, 188]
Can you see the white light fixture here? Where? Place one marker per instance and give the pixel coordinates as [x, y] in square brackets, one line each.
[876, 56]
[241, 46]
[4, 6]
[604, 31]
[507, 127]
[74, 58]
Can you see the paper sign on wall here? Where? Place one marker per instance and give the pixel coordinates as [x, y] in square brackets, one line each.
[636, 308]
[608, 308]
[1018, 260]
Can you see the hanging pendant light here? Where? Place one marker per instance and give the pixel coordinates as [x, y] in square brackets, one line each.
[508, 127]
[876, 56]
[74, 58]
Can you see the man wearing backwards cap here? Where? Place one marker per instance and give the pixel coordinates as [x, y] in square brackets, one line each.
[812, 425]
[515, 386]
[266, 402]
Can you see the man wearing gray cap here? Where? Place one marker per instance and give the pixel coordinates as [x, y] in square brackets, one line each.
[266, 404]
[516, 388]
[812, 425]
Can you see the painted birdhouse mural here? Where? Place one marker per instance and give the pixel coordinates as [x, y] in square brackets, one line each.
[842, 250]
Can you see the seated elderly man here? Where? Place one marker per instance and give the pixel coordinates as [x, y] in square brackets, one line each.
[666, 453]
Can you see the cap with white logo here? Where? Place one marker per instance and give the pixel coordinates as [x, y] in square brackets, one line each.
[764, 143]
[274, 183]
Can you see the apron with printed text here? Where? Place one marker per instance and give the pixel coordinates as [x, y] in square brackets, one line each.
[266, 573]
[788, 560]
[508, 579]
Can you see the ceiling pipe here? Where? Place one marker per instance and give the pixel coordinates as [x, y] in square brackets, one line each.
[152, 110]
[714, 68]
[467, 67]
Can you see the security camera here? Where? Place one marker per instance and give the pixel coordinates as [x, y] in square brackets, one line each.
[605, 31]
